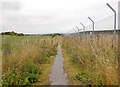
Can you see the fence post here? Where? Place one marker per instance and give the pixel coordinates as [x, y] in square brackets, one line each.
[118, 16]
[78, 31]
[119, 41]
[75, 31]
[114, 21]
[0, 60]
[83, 28]
[93, 26]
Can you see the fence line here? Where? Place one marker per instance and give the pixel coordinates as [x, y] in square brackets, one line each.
[94, 23]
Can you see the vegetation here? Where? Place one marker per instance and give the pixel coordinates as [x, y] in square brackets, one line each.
[12, 33]
[27, 59]
[24, 58]
[81, 76]
[91, 62]
[53, 35]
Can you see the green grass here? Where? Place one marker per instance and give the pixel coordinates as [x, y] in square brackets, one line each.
[12, 41]
[81, 76]
[24, 56]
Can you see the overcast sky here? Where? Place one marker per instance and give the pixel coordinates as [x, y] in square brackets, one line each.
[51, 16]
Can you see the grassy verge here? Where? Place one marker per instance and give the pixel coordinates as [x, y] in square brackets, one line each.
[91, 63]
[45, 73]
[70, 68]
[27, 59]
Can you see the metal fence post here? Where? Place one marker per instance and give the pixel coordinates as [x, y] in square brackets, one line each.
[119, 41]
[75, 31]
[0, 60]
[114, 21]
[83, 28]
[93, 26]
[78, 31]
[118, 17]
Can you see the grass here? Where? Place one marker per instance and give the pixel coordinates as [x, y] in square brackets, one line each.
[24, 58]
[98, 60]
[70, 68]
[45, 75]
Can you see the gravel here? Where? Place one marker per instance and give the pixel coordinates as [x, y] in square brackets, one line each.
[58, 77]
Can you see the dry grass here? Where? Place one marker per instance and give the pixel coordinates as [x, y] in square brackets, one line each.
[97, 59]
[26, 54]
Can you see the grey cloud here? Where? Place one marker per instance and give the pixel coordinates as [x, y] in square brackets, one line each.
[45, 17]
[48, 21]
[11, 5]
[16, 18]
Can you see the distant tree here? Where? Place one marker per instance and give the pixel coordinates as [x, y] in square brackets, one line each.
[53, 35]
[21, 34]
[12, 33]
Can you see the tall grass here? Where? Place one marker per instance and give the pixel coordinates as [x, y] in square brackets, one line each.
[24, 56]
[97, 60]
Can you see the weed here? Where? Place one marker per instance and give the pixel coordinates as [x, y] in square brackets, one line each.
[98, 59]
[81, 76]
[23, 58]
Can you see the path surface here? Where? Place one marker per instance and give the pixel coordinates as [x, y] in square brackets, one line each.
[58, 77]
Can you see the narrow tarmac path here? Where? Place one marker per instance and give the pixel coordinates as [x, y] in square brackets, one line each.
[58, 77]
